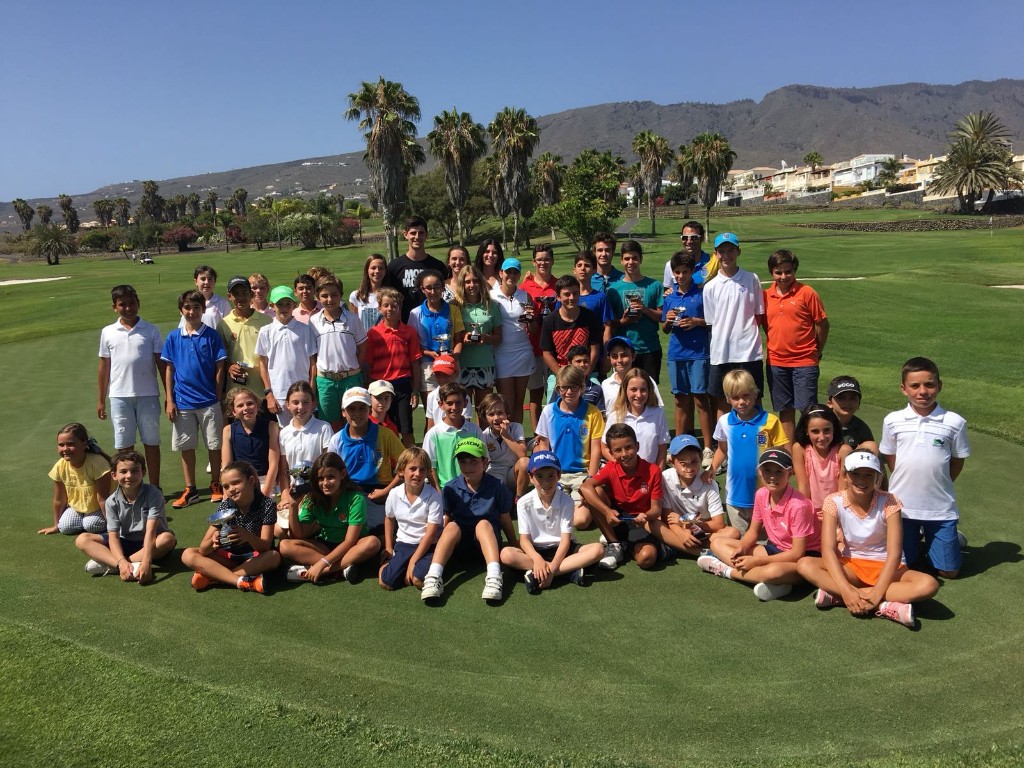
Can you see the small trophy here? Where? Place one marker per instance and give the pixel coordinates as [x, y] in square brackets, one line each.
[443, 337]
[221, 520]
[475, 333]
[527, 315]
[547, 305]
[300, 478]
[634, 298]
[680, 317]
[243, 377]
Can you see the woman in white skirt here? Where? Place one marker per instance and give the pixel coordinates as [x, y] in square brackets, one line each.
[513, 357]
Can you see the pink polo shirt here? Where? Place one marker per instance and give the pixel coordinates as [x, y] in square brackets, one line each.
[792, 516]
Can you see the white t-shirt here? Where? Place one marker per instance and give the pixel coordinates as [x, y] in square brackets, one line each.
[499, 454]
[731, 307]
[651, 429]
[413, 517]
[131, 351]
[305, 443]
[545, 525]
[434, 411]
[337, 342]
[369, 311]
[287, 349]
[923, 446]
[698, 501]
[216, 309]
[514, 334]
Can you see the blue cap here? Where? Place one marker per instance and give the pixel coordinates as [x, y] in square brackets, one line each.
[618, 340]
[541, 459]
[679, 442]
[508, 264]
[727, 237]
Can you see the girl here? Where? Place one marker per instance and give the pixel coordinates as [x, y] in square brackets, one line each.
[260, 287]
[240, 551]
[81, 483]
[248, 436]
[514, 360]
[305, 438]
[868, 575]
[489, 257]
[325, 531]
[412, 523]
[432, 320]
[482, 321]
[363, 300]
[458, 257]
[818, 454]
[635, 406]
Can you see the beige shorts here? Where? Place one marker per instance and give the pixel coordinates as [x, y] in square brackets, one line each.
[571, 482]
[187, 427]
[539, 377]
[427, 381]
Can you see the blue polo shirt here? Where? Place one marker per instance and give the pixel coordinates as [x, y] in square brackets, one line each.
[570, 433]
[596, 302]
[362, 455]
[693, 344]
[433, 324]
[194, 357]
[745, 441]
[599, 282]
[491, 500]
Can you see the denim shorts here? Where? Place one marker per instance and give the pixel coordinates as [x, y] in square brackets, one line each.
[129, 415]
[689, 377]
[940, 541]
[793, 387]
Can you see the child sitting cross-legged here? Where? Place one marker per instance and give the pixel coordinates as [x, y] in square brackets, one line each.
[412, 523]
[692, 506]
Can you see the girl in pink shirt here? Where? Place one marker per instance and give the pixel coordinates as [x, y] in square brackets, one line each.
[818, 452]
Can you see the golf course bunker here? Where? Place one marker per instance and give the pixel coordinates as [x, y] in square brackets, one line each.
[1018, 287]
[36, 280]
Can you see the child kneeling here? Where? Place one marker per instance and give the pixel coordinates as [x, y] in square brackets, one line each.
[412, 521]
[546, 545]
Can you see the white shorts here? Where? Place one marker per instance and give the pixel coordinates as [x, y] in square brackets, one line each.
[427, 381]
[185, 429]
[129, 415]
[539, 376]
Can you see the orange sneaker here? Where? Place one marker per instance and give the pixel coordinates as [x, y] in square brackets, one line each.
[188, 496]
[216, 493]
[252, 584]
[200, 582]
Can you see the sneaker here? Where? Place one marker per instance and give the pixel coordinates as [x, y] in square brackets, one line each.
[200, 582]
[433, 588]
[252, 584]
[349, 573]
[578, 577]
[296, 573]
[532, 587]
[961, 539]
[492, 588]
[706, 457]
[711, 564]
[603, 539]
[824, 600]
[901, 613]
[96, 568]
[216, 493]
[188, 496]
[614, 556]
[135, 569]
[765, 592]
[723, 468]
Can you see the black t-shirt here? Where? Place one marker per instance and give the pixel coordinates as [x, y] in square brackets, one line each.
[401, 275]
[558, 336]
[857, 432]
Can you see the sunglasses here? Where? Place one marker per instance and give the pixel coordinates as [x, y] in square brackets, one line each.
[686, 238]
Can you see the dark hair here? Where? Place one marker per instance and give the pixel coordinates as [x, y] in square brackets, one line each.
[124, 291]
[363, 291]
[917, 364]
[543, 248]
[82, 434]
[605, 237]
[479, 261]
[632, 246]
[423, 275]
[248, 471]
[128, 456]
[414, 222]
[694, 225]
[783, 256]
[567, 282]
[576, 351]
[488, 404]
[615, 343]
[322, 462]
[819, 411]
[303, 280]
[204, 268]
[451, 388]
[617, 432]
[299, 386]
[587, 256]
[191, 297]
[681, 260]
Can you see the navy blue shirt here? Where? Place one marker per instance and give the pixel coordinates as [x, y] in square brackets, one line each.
[491, 500]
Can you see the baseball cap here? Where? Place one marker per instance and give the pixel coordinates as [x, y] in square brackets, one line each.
[776, 456]
[444, 364]
[841, 384]
[727, 237]
[618, 340]
[679, 442]
[355, 395]
[508, 264]
[236, 281]
[541, 459]
[282, 292]
[474, 446]
[862, 459]
[379, 387]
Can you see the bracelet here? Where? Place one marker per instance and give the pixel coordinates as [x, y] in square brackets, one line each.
[268, 390]
[118, 563]
[327, 563]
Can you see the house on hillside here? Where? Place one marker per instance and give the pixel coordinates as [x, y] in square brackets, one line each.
[861, 169]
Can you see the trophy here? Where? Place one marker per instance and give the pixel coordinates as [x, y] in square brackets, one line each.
[680, 317]
[221, 520]
[527, 315]
[300, 478]
[475, 333]
[244, 375]
[443, 337]
[547, 305]
[689, 520]
[634, 298]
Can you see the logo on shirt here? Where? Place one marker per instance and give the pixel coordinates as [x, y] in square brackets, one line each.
[644, 488]
[378, 457]
[762, 439]
[491, 446]
[938, 442]
[584, 430]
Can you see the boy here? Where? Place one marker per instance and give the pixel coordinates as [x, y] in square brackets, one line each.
[445, 370]
[440, 440]
[733, 302]
[689, 350]
[506, 444]
[381, 395]
[193, 378]
[340, 350]
[704, 266]
[540, 287]
[478, 507]
[216, 306]
[392, 355]
[260, 286]
[844, 399]
[796, 328]
[925, 447]
[636, 305]
[621, 357]
[572, 429]
[591, 298]
[137, 533]
[604, 252]
[129, 363]
[692, 506]
[403, 273]
[412, 523]
[568, 326]
[304, 288]
[238, 331]
[624, 497]
[547, 547]
[742, 435]
[287, 352]
[579, 356]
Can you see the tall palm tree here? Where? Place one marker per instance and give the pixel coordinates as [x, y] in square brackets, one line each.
[495, 184]
[388, 114]
[44, 212]
[654, 153]
[193, 204]
[241, 197]
[548, 176]
[712, 161]
[25, 213]
[211, 202]
[514, 136]
[683, 174]
[67, 210]
[123, 210]
[52, 241]
[151, 206]
[457, 142]
[104, 210]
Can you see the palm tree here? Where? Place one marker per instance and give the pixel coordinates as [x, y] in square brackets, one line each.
[635, 179]
[891, 169]
[712, 161]
[388, 114]
[241, 197]
[683, 173]
[814, 159]
[979, 158]
[52, 241]
[211, 202]
[548, 175]
[151, 206]
[514, 135]
[25, 213]
[654, 153]
[67, 210]
[44, 212]
[193, 204]
[123, 210]
[495, 183]
[104, 210]
[457, 142]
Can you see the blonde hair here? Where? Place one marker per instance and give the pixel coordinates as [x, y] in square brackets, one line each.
[260, 279]
[389, 293]
[319, 273]
[412, 455]
[620, 407]
[233, 394]
[460, 287]
[738, 382]
[570, 376]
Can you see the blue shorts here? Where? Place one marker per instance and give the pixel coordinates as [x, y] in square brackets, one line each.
[793, 387]
[940, 540]
[771, 549]
[129, 546]
[689, 377]
[394, 572]
[468, 545]
[129, 415]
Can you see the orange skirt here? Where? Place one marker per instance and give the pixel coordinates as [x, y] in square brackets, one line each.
[868, 571]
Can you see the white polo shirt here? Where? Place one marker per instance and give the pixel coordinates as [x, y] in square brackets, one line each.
[923, 447]
[698, 501]
[287, 349]
[413, 517]
[337, 341]
[651, 429]
[305, 443]
[731, 307]
[499, 454]
[545, 525]
[217, 308]
[131, 353]
[611, 386]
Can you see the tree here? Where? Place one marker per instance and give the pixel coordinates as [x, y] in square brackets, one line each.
[495, 184]
[25, 213]
[67, 210]
[104, 210]
[45, 213]
[151, 206]
[239, 198]
[635, 179]
[193, 204]
[429, 201]
[548, 176]
[182, 236]
[211, 202]
[814, 159]
[388, 115]
[584, 209]
[456, 142]
[52, 241]
[514, 135]
[654, 153]
[891, 168]
[979, 158]
[682, 175]
[122, 210]
[712, 159]
[608, 171]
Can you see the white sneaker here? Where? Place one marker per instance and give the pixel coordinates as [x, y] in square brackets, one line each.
[614, 555]
[722, 469]
[96, 568]
[135, 569]
[706, 458]
[492, 588]
[711, 564]
[296, 573]
[765, 592]
[349, 572]
[433, 588]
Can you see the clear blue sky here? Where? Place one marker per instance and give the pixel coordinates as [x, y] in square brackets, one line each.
[95, 93]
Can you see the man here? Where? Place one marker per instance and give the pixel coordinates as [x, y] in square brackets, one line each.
[403, 271]
[604, 251]
[705, 266]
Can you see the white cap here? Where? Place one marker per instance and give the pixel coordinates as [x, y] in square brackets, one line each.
[862, 459]
[355, 395]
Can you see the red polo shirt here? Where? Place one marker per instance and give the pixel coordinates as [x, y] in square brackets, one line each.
[390, 352]
[631, 494]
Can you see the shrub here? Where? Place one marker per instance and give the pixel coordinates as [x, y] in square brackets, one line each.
[182, 236]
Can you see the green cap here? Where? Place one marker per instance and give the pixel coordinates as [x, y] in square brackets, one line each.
[282, 292]
[474, 446]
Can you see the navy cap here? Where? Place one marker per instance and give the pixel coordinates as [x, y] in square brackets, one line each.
[541, 459]
[776, 456]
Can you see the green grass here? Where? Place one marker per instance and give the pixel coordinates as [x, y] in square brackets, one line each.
[665, 668]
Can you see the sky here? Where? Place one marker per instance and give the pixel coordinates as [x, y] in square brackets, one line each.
[97, 93]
